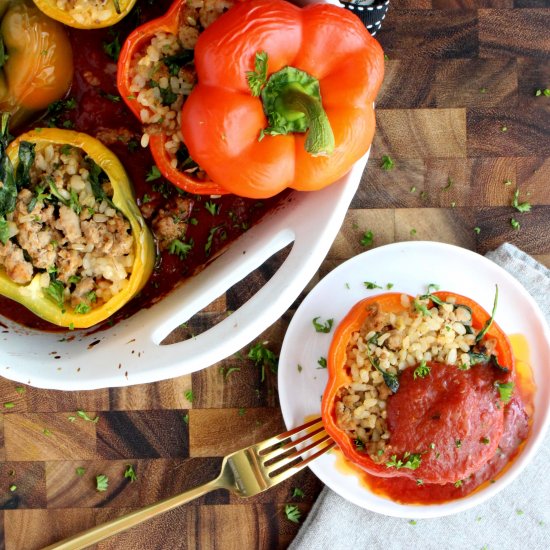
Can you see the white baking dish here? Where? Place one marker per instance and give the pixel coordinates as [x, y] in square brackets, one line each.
[130, 352]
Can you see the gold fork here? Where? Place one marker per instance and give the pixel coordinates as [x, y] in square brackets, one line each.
[246, 473]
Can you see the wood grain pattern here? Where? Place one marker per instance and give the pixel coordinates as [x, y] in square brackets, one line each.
[457, 72]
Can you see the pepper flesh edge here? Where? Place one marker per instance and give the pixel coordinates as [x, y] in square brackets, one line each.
[32, 295]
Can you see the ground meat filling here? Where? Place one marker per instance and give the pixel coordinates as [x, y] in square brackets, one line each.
[66, 229]
[89, 11]
[163, 75]
[433, 353]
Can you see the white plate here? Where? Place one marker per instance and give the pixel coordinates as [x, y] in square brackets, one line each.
[410, 266]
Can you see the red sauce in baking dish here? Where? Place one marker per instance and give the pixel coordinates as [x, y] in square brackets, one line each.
[100, 112]
[517, 419]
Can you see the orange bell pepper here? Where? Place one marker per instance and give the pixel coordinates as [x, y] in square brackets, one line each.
[134, 44]
[339, 377]
[284, 97]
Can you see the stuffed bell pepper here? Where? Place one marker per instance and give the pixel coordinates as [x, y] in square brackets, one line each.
[36, 62]
[86, 14]
[74, 247]
[273, 95]
[420, 387]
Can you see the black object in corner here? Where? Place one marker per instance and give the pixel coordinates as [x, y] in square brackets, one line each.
[371, 13]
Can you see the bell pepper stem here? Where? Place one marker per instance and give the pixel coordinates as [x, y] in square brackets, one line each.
[320, 138]
[292, 103]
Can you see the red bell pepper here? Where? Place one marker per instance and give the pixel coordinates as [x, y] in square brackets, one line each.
[284, 97]
[339, 377]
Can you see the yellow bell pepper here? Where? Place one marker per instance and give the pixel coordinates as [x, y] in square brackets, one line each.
[33, 295]
[118, 8]
[36, 60]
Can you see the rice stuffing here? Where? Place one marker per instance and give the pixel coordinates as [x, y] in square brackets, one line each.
[89, 11]
[162, 76]
[389, 343]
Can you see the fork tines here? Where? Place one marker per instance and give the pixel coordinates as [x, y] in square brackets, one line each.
[282, 456]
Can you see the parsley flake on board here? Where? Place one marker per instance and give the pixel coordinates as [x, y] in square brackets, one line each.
[367, 238]
[297, 493]
[189, 395]
[85, 417]
[130, 473]
[293, 513]
[80, 471]
[325, 327]
[520, 206]
[322, 361]
[263, 357]
[101, 483]
[387, 163]
[515, 224]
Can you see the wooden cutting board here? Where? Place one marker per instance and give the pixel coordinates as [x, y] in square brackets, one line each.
[459, 117]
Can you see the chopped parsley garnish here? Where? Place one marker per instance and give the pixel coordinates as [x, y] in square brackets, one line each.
[410, 461]
[488, 323]
[297, 493]
[241, 411]
[515, 224]
[413, 231]
[9, 405]
[180, 249]
[186, 418]
[421, 308]
[55, 291]
[293, 513]
[387, 163]
[153, 174]
[505, 390]
[450, 183]
[101, 482]
[477, 230]
[389, 286]
[112, 49]
[212, 207]
[458, 483]
[175, 62]
[188, 394]
[322, 361]
[257, 78]
[359, 445]
[80, 471]
[325, 327]
[299, 367]
[370, 285]
[485, 440]
[458, 443]
[367, 238]
[20, 390]
[82, 308]
[210, 239]
[545, 92]
[520, 206]
[130, 473]
[263, 357]
[13, 488]
[85, 417]
[421, 371]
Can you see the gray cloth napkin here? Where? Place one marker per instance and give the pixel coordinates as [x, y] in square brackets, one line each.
[517, 518]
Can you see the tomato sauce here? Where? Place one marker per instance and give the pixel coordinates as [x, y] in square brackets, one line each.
[516, 418]
[93, 106]
[454, 418]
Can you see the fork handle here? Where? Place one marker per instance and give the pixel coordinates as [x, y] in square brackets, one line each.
[118, 525]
